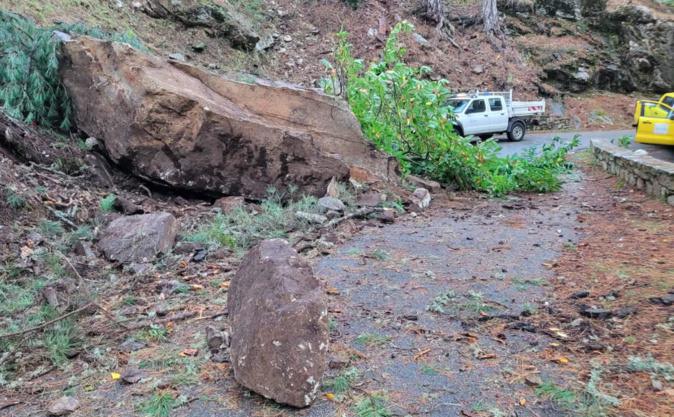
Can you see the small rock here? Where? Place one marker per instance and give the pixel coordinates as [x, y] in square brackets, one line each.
[126, 206]
[623, 312]
[656, 384]
[185, 248]
[138, 268]
[63, 406]
[580, 294]
[131, 345]
[330, 204]
[640, 152]
[216, 340]
[178, 57]
[418, 182]
[420, 40]
[199, 47]
[388, 215]
[533, 380]
[665, 300]
[333, 189]
[265, 43]
[84, 248]
[333, 214]
[131, 375]
[477, 69]
[411, 317]
[228, 204]
[287, 38]
[576, 322]
[139, 238]
[421, 198]
[311, 217]
[92, 143]
[596, 313]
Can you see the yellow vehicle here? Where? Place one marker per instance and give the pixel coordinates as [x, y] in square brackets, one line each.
[656, 125]
[650, 107]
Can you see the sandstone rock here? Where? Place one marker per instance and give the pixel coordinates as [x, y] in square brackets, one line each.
[139, 238]
[176, 125]
[279, 325]
[227, 204]
[330, 204]
[222, 18]
[421, 198]
[63, 406]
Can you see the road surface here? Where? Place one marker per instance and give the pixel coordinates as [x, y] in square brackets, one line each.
[665, 153]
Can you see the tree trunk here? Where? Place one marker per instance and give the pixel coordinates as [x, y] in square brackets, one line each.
[492, 25]
[436, 12]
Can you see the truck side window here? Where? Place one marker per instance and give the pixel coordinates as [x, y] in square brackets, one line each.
[495, 104]
[669, 101]
[477, 106]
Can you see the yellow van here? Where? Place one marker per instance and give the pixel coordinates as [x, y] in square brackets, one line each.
[651, 108]
[656, 124]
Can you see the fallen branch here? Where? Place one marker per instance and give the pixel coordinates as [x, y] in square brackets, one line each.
[48, 323]
[356, 214]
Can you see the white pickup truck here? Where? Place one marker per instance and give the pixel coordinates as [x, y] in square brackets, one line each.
[487, 113]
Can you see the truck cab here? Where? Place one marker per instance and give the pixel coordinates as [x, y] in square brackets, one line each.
[486, 114]
[652, 108]
[656, 125]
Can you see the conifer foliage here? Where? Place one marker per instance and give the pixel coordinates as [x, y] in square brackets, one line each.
[30, 88]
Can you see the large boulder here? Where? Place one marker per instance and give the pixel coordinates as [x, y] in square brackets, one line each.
[279, 325]
[222, 19]
[179, 126]
[139, 238]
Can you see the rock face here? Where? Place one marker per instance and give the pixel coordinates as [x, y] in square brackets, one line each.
[279, 325]
[223, 20]
[139, 238]
[623, 49]
[178, 126]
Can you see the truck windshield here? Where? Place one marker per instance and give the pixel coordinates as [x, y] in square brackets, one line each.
[458, 104]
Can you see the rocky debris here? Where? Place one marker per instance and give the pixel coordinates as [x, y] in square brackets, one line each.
[227, 204]
[221, 19]
[421, 198]
[418, 182]
[63, 406]
[218, 344]
[178, 57]
[131, 375]
[332, 189]
[326, 204]
[131, 345]
[624, 312]
[596, 313]
[179, 126]
[477, 69]
[665, 300]
[126, 206]
[139, 238]
[580, 294]
[388, 215]
[279, 325]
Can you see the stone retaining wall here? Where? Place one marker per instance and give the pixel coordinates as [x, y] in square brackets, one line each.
[644, 172]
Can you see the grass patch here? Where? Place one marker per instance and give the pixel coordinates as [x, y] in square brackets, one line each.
[51, 228]
[562, 397]
[107, 203]
[372, 406]
[441, 302]
[371, 339]
[60, 342]
[342, 383]
[242, 229]
[160, 404]
[652, 366]
[153, 333]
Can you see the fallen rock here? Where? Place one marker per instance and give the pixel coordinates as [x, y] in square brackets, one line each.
[131, 375]
[418, 182]
[371, 199]
[596, 313]
[388, 215]
[330, 204]
[179, 126]
[421, 198]
[63, 406]
[665, 300]
[580, 294]
[279, 325]
[139, 238]
[333, 188]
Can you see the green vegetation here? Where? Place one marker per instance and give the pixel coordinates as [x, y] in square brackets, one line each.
[408, 116]
[441, 302]
[341, 384]
[51, 228]
[560, 396]
[241, 228]
[14, 199]
[60, 342]
[160, 404]
[623, 141]
[650, 365]
[107, 203]
[154, 333]
[371, 339]
[372, 406]
[30, 88]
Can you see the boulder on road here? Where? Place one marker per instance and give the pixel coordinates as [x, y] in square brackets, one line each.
[421, 198]
[139, 238]
[179, 126]
[279, 325]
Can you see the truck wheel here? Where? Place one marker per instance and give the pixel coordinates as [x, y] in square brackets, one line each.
[517, 131]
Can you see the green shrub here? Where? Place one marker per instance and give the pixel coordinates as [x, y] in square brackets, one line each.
[408, 116]
[30, 87]
[107, 203]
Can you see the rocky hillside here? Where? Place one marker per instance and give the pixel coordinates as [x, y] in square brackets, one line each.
[585, 56]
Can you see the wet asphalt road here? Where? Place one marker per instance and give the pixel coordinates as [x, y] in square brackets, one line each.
[665, 153]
